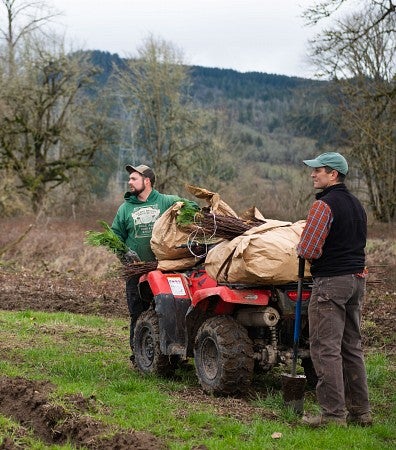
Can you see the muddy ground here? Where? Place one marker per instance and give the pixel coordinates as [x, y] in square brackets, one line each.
[27, 401]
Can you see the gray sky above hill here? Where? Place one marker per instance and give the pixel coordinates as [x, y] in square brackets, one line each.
[245, 35]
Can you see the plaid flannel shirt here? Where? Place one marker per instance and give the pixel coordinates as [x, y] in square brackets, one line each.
[316, 230]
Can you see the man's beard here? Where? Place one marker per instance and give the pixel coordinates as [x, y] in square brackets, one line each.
[136, 192]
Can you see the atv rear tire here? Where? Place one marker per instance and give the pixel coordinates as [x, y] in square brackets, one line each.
[223, 355]
[148, 356]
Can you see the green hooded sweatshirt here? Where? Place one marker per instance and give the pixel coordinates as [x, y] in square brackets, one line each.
[134, 221]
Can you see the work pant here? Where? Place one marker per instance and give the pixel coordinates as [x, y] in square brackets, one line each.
[335, 311]
[135, 305]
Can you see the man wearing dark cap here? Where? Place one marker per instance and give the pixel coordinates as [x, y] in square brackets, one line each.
[334, 240]
[134, 223]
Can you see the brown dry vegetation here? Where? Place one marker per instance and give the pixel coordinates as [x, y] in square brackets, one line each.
[52, 270]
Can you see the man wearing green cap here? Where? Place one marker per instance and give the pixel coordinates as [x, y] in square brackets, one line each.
[334, 240]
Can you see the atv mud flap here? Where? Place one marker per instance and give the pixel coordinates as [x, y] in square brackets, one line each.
[171, 316]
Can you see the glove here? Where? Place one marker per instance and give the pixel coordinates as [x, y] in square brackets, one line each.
[130, 257]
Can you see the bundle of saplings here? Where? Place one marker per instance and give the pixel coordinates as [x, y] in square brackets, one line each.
[137, 268]
[109, 240]
[171, 238]
[223, 227]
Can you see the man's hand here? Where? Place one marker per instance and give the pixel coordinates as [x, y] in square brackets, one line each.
[130, 257]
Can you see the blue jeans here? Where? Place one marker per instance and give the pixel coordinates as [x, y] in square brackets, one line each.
[334, 312]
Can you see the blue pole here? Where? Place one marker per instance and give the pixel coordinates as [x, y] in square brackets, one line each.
[297, 315]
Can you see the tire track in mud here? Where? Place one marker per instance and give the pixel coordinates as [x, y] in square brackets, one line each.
[27, 402]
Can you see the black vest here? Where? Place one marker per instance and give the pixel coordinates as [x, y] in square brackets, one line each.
[343, 250]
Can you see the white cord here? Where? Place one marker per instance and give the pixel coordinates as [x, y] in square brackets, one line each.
[204, 241]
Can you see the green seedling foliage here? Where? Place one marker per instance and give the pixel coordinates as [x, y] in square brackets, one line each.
[106, 238]
[187, 213]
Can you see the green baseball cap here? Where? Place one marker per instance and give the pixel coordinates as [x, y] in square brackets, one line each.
[330, 159]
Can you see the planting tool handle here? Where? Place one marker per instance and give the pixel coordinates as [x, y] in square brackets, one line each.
[301, 267]
[297, 320]
[297, 315]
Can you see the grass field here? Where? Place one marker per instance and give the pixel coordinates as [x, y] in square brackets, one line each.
[85, 356]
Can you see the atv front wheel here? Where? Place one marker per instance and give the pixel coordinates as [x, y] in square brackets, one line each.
[223, 355]
[148, 356]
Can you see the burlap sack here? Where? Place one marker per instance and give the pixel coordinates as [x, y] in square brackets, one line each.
[168, 265]
[252, 214]
[167, 236]
[216, 204]
[263, 255]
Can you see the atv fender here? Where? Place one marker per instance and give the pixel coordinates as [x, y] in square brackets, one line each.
[161, 284]
[226, 298]
[171, 296]
[171, 314]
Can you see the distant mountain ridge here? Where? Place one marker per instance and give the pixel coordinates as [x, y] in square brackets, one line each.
[274, 119]
[245, 84]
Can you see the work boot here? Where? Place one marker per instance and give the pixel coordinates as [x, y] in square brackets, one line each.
[321, 421]
[364, 420]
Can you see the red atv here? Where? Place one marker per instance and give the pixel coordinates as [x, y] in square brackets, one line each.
[230, 330]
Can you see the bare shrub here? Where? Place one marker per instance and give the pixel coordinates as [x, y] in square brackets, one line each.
[56, 246]
[10, 202]
[285, 196]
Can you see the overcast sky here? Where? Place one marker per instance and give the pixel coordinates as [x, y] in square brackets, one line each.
[245, 35]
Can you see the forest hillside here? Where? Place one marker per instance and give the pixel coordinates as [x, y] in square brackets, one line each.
[271, 123]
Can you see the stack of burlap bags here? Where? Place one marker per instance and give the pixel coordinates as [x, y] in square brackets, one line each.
[264, 254]
[170, 242]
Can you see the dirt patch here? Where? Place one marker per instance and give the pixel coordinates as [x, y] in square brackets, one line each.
[240, 409]
[25, 290]
[27, 403]
[379, 319]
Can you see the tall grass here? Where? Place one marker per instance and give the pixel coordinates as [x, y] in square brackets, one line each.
[56, 245]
